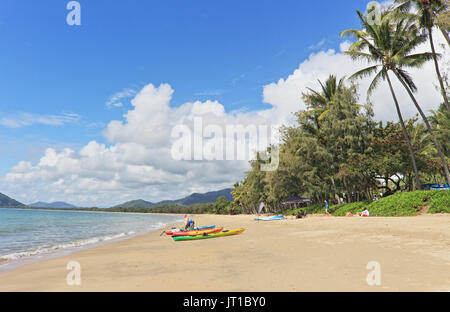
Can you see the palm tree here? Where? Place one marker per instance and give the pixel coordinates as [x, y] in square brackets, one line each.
[443, 22]
[388, 45]
[319, 102]
[440, 120]
[381, 51]
[427, 11]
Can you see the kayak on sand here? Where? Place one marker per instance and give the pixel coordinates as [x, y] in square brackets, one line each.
[195, 233]
[274, 218]
[206, 236]
[173, 231]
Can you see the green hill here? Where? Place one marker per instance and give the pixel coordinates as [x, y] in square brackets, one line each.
[7, 202]
[140, 203]
[190, 200]
[56, 205]
[197, 198]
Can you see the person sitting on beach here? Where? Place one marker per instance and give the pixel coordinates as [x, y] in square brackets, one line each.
[300, 215]
[365, 213]
[188, 223]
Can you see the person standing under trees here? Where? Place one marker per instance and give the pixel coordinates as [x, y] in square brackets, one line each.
[326, 207]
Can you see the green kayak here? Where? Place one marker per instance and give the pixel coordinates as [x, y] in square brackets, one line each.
[206, 236]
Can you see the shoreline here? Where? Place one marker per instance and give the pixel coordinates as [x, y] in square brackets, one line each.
[59, 250]
[318, 253]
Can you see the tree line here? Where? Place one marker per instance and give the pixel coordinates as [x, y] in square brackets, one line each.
[337, 150]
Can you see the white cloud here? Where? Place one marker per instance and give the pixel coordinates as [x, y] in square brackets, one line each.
[285, 95]
[137, 163]
[114, 101]
[26, 119]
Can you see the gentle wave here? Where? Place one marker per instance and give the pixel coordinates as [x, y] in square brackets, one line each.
[46, 250]
[74, 244]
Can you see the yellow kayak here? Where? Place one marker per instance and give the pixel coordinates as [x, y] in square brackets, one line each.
[206, 236]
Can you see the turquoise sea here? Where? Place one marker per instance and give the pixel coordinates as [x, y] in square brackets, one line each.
[31, 235]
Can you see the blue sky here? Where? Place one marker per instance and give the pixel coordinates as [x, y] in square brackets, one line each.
[69, 131]
[225, 50]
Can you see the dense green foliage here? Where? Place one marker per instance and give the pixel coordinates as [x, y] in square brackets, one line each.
[336, 151]
[400, 204]
[341, 152]
[440, 203]
[353, 208]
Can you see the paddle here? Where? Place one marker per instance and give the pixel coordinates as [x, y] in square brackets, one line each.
[165, 231]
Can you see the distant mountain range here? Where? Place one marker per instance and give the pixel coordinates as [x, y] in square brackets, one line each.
[7, 202]
[192, 199]
[56, 205]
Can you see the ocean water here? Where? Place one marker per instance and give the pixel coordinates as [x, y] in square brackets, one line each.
[30, 235]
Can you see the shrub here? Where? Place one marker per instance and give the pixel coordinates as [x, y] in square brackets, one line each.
[440, 202]
[342, 210]
[400, 204]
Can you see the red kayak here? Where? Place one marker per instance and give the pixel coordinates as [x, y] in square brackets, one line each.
[196, 229]
[196, 233]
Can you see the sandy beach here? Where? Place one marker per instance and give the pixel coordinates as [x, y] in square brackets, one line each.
[318, 253]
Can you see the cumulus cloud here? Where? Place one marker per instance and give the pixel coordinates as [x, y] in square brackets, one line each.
[285, 95]
[138, 160]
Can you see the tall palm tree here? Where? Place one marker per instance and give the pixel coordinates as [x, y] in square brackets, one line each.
[427, 11]
[388, 44]
[381, 49]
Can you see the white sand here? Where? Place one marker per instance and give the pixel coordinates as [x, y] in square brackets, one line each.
[314, 254]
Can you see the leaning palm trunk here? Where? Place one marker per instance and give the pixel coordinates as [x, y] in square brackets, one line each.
[436, 65]
[405, 134]
[425, 119]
